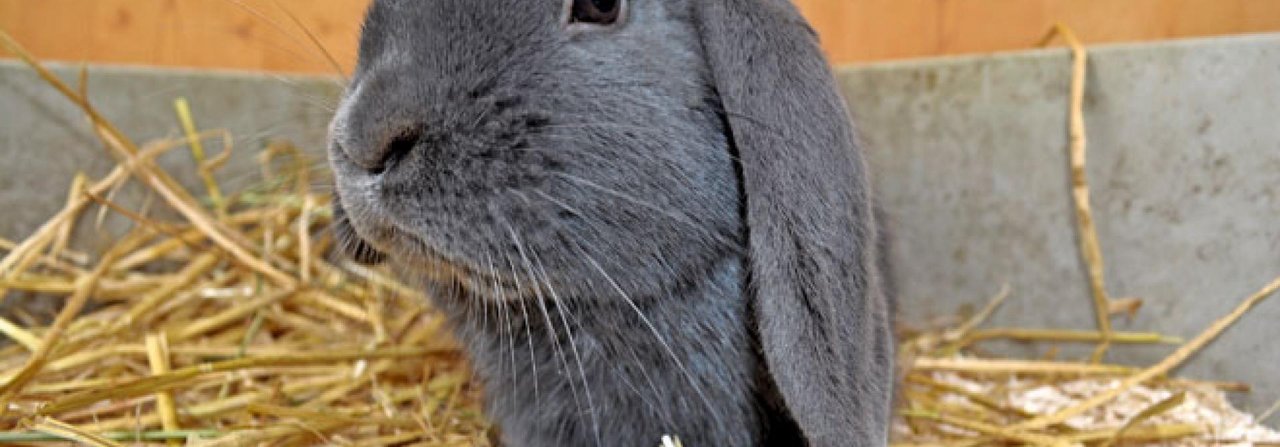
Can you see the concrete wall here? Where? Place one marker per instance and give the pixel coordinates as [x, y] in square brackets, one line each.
[969, 156]
[45, 140]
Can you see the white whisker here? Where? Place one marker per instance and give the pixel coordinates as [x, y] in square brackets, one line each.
[693, 381]
[542, 306]
[504, 312]
[652, 207]
[524, 313]
[560, 308]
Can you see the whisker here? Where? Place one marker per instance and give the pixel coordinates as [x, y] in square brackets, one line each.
[328, 57]
[590, 125]
[542, 306]
[562, 310]
[524, 313]
[662, 410]
[693, 381]
[711, 103]
[677, 217]
[325, 57]
[503, 307]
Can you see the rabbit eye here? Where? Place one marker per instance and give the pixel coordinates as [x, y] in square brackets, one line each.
[598, 12]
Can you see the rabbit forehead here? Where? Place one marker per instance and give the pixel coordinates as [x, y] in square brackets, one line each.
[454, 32]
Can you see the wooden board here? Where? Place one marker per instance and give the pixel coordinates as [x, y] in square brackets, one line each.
[255, 34]
[242, 34]
[865, 30]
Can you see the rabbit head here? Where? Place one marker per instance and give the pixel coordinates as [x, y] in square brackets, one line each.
[475, 133]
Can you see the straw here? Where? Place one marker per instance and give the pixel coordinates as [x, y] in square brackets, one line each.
[183, 108]
[1090, 248]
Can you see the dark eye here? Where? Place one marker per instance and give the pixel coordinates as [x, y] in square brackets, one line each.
[598, 12]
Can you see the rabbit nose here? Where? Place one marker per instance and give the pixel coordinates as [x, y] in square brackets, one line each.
[379, 155]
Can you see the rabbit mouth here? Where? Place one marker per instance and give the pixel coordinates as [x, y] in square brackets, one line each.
[421, 258]
[414, 255]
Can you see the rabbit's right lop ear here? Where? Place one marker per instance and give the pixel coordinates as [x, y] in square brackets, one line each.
[819, 309]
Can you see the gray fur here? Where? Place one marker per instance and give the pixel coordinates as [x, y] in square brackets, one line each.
[661, 228]
[811, 226]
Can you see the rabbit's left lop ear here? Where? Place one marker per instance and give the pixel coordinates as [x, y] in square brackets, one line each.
[820, 312]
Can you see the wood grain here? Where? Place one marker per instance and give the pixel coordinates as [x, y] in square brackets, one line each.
[256, 35]
[241, 34]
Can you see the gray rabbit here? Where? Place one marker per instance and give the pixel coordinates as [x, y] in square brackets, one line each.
[643, 217]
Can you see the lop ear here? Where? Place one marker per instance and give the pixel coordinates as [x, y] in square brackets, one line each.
[820, 314]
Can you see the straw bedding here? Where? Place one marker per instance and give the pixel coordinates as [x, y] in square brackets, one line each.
[231, 326]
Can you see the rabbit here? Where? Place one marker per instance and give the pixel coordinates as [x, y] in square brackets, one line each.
[641, 218]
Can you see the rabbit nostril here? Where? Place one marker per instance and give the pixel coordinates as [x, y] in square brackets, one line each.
[396, 150]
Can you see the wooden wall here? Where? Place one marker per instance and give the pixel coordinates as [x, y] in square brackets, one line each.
[254, 34]
[864, 30]
[242, 34]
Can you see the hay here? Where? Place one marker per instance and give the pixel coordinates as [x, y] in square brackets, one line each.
[951, 399]
[230, 327]
[227, 327]
[958, 399]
